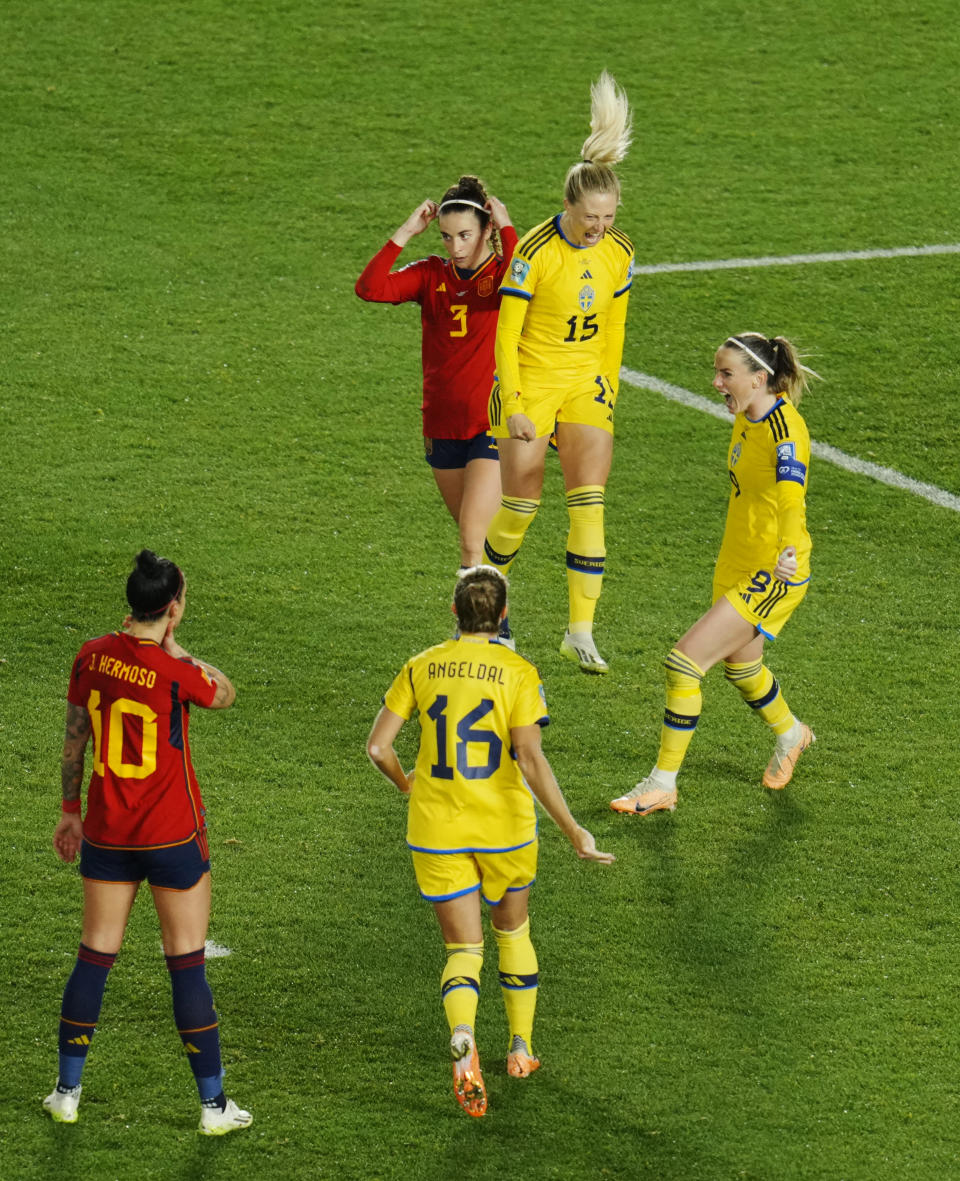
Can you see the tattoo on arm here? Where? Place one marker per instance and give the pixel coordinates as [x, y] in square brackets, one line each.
[75, 741]
[226, 694]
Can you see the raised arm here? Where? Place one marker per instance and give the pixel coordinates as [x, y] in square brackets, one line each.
[377, 283]
[226, 694]
[416, 223]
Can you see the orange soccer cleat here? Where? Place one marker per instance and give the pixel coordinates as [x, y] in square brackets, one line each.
[779, 770]
[467, 1080]
[520, 1062]
[645, 798]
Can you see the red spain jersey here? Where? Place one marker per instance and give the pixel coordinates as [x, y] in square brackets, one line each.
[459, 322]
[143, 792]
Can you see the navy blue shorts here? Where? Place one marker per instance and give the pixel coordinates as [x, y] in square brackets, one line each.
[454, 453]
[173, 867]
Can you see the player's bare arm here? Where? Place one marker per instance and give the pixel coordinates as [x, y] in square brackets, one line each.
[226, 694]
[416, 223]
[380, 750]
[786, 567]
[521, 427]
[68, 834]
[76, 737]
[498, 212]
[542, 782]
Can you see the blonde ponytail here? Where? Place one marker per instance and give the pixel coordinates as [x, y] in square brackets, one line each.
[611, 124]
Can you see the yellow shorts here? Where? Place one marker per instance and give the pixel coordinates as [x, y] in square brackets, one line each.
[759, 598]
[441, 876]
[586, 405]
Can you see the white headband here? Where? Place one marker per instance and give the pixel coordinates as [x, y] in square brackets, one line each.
[462, 201]
[747, 349]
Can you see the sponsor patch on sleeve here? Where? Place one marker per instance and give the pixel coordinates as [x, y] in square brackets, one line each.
[791, 469]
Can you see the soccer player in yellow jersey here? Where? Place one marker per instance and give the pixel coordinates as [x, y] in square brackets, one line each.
[558, 349]
[763, 569]
[472, 826]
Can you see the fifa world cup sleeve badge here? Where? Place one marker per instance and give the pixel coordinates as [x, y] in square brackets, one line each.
[519, 269]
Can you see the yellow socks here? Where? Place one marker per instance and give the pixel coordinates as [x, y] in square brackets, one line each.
[507, 529]
[460, 983]
[518, 980]
[585, 554]
[684, 703]
[758, 687]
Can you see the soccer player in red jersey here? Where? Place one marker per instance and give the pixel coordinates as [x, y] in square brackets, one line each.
[459, 300]
[131, 691]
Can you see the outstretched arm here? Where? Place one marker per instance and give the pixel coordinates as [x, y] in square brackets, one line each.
[542, 782]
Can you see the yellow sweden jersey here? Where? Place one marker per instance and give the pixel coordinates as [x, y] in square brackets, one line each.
[468, 794]
[769, 464]
[576, 310]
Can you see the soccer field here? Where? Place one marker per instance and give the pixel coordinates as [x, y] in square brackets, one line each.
[760, 987]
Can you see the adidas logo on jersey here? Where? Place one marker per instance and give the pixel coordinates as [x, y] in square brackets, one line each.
[586, 275]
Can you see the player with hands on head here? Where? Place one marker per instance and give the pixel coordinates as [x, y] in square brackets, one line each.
[558, 351]
[762, 571]
[459, 299]
[131, 691]
[472, 825]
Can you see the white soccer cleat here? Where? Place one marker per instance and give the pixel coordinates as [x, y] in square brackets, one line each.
[580, 647]
[214, 1122]
[63, 1105]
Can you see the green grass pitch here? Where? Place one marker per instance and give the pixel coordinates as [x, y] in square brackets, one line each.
[762, 988]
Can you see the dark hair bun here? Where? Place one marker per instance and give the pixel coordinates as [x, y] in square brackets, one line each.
[153, 584]
[147, 563]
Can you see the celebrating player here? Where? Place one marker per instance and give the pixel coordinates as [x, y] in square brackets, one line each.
[472, 826]
[458, 300]
[558, 351]
[131, 690]
[763, 569]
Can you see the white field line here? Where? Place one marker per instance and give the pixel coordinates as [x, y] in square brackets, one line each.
[790, 260]
[834, 455]
[216, 950]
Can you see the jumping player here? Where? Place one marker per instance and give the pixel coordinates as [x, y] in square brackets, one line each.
[459, 299]
[472, 827]
[763, 569]
[558, 351]
[131, 691]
